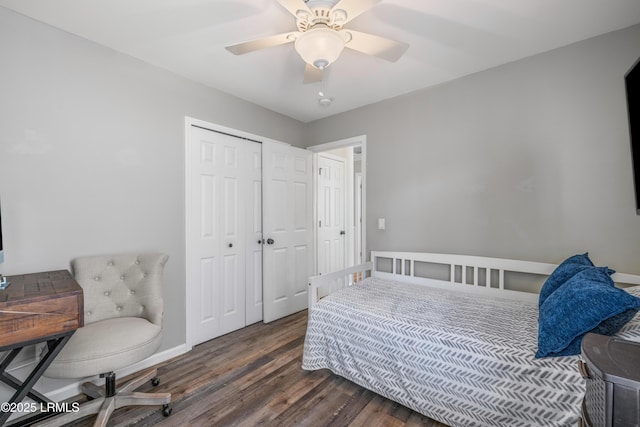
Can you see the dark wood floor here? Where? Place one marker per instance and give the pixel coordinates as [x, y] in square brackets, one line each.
[253, 377]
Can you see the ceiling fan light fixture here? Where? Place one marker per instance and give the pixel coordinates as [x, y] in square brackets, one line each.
[320, 46]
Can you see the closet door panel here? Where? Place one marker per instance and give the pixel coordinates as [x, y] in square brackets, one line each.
[232, 210]
[217, 248]
[303, 258]
[287, 218]
[253, 225]
[204, 236]
[208, 274]
[232, 316]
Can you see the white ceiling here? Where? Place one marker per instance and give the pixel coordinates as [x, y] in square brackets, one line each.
[447, 38]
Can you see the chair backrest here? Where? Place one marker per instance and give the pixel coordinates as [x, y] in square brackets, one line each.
[128, 285]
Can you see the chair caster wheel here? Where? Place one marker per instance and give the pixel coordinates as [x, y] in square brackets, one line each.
[166, 410]
[155, 381]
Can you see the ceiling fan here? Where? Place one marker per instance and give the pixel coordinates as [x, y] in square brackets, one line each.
[320, 37]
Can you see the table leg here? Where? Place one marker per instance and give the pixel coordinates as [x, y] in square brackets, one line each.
[55, 346]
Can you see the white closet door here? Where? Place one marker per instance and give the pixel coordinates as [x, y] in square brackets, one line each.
[253, 225]
[331, 213]
[217, 235]
[232, 280]
[288, 233]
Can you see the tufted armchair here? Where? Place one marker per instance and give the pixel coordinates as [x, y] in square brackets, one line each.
[122, 325]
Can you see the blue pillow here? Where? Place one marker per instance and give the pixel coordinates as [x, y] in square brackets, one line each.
[565, 271]
[588, 302]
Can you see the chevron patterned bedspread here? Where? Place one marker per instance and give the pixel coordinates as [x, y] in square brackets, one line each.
[464, 360]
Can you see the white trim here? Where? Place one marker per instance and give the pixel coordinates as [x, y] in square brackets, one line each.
[358, 229]
[347, 142]
[190, 121]
[187, 219]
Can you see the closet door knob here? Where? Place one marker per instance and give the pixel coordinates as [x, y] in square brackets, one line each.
[270, 241]
[230, 245]
[259, 242]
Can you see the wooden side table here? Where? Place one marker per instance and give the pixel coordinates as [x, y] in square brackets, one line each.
[37, 307]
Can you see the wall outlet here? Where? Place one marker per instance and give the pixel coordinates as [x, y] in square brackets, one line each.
[381, 223]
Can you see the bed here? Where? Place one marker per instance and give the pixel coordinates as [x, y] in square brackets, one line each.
[450, 336]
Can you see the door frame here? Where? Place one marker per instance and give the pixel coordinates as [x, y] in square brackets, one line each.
[361, 141]
[357, 196]
[189, 122]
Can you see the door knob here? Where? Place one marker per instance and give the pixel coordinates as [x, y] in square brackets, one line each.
[270, 241]
[342, 233]
[259, 242]
[230, 245]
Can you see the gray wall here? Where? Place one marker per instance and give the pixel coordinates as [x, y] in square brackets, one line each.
[92, 153]
[530, 160]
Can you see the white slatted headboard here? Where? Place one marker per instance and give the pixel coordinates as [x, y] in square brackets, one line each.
[465, 273]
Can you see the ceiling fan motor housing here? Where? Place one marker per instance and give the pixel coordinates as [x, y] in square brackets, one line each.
[322, 14]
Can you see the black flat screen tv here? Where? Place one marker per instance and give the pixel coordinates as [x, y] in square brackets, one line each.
[632, 83]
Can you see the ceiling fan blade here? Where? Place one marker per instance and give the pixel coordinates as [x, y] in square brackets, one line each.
[294, 6]
[381, 47]
[253, 45]
[351, 9]
[312, 74]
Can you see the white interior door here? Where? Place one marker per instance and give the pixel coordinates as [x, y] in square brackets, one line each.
[353, 150]
[222, 186]
[331, 213]
[288, 233]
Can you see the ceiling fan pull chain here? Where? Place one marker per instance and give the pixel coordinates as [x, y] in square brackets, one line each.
[324, 100]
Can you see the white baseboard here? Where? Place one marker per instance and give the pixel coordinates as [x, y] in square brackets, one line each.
[58, 389]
